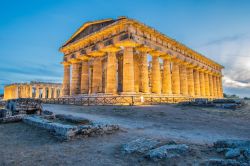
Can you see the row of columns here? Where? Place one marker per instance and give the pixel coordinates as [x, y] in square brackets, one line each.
[175, 78]
[56, 92]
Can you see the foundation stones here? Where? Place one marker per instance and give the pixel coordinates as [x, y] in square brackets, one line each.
[154, 150]
[140, 145]
[167, 151]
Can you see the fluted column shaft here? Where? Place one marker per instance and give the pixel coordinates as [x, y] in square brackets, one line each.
[221, 87]
[197, 88]
[97, 75]
[37, 93]
[66, 81]
[207, 88]
[76, 79]
[111, 84]
[136, 73]
[156, 75]
[218, 86]
[190, 75]
[85, 77]
[144, 80]
[175, 78]
[166, 78]
[211, 85]
[128, 83]
[44, 93]
[215, 87]
[202, 84]
[183, 80]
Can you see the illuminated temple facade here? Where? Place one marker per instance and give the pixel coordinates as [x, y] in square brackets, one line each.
[42, 90]
[125, 57]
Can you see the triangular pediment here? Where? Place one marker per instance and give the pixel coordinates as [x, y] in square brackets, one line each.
[89, 28]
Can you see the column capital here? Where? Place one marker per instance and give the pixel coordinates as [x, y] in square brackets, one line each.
[64, 63]
[156, 53]
[144, 49]
[111, 48]
[75, 60]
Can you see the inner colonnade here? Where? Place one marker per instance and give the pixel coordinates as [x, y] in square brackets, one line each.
[111, 57]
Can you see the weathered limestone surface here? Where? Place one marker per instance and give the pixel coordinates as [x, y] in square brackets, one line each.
[66, 81]
[111, 85]
[97, 76]
[190, 77]
[197, 88]
[122, 48]
[144, 81]
[136, 73]
[166, 79]
[76, 78]
[128, 71]
[85, 77]
[167, 151]
[183, 80]
[175, 78]
[156, 75]
[202, 83]
[139, 145]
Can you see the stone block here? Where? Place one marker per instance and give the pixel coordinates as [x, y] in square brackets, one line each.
[140, 145]
[167, 151]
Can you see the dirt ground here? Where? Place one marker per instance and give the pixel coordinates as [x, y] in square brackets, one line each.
[21, 144]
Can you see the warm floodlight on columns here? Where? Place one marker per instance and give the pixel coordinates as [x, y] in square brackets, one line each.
[76, 77]
[156, 72]
[175, 77]
[66, 79]
[166, 75]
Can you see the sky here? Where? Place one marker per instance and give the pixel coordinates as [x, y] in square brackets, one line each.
[31, 32]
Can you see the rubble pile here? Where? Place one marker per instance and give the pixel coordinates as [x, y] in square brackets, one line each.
[24, 106]
[235, 152]
[220, 103]
[67, 127]
[155, 150]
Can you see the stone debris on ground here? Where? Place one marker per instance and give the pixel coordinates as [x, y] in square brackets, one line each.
[68, 131]
[221, 162]
[238, 150]
[140, 145]
[220, 103]
[63, 131]
[154, 150]
[167, 151]
[24, 106]
[12, 119]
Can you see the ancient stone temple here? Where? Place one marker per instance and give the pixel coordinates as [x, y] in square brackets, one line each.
[125, 57]
[33, 89]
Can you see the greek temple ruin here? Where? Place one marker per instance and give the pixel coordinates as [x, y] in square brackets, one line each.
[42, 90]
[125, 57]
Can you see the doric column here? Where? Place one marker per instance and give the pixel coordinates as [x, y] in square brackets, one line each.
[221, 87]
[76, 78]
[85, 77]
[111, 84]
[66, 80]
[202, 84]
[211, 85]
[215, 87]
[31, 90]
[97, 75]
[49, 92]
[156, 75]
[128, 82]
[183, 80]
[144, 80]
[136, 73]
[166, 78]
[175, 78]
[197, 88]
[207, 88]
[218, 86]
[44, 92]
[190, 75]
[37, 92]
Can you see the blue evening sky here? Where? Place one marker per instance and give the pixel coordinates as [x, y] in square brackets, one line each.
[31, 32]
